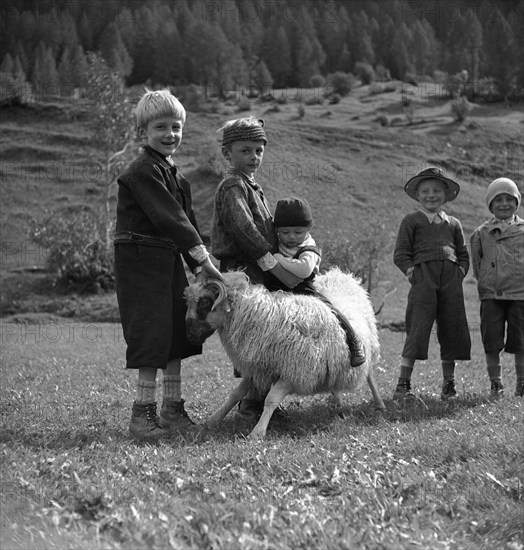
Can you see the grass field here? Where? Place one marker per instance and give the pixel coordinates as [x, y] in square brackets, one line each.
[433, 475]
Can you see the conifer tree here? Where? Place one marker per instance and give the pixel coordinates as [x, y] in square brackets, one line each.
[499, 53]
[113, 50]
[7, 65]
[45, 76]
[276, 54]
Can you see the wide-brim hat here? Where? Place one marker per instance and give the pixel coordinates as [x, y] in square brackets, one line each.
[452, 187]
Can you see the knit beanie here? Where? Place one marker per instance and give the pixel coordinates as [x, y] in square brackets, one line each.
[293, 212]
[243, 129]
[499, 186]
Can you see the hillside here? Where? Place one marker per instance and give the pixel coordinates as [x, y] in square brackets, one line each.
[342, 158]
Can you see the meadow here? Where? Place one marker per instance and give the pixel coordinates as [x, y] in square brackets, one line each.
[432, 475]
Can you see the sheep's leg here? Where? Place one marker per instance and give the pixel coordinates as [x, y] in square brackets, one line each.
[236, 395]
[379, 404]
[276, 395]
[335, 399]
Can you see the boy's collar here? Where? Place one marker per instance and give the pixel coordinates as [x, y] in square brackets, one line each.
[168, 161]
[232, 171]
[498, 222]
[431, 215]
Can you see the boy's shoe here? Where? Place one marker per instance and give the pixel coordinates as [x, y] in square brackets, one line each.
[519, 391]
[173, 416]
[144, 422]
[403, 390]
[497, 389]
[250, 410]
[358, 355]
[448, 390]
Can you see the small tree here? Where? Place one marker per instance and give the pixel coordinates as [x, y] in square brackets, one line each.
[112, 122]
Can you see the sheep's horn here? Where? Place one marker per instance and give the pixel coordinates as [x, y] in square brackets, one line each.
[222, 291]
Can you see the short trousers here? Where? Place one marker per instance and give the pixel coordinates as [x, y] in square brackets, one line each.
[498, 317]
[150, 283]
[436, 295]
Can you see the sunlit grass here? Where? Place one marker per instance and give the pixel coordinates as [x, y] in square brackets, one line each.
[430, 475]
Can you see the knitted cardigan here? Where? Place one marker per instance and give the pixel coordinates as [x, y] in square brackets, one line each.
[420, 241]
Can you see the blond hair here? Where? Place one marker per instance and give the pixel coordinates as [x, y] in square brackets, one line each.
[155, 104]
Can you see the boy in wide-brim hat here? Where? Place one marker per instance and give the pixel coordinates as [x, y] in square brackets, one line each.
[431, 251]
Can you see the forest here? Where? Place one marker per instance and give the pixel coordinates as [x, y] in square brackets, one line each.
[223, 45]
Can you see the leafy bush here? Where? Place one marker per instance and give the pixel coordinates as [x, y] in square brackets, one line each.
[460, 108]
[244, 104]
[317, 81]
[365, 72]
[13, 91]
[334, 99]
[382, 87]
[340, 83]
[314, 100]
[360, 255]
[76, 252]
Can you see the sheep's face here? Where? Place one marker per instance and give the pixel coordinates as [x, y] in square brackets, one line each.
[201, 317]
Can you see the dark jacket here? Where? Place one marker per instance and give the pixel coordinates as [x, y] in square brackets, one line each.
[155, 206]
[242, 225]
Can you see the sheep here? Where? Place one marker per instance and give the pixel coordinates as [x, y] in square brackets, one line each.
[283, 342]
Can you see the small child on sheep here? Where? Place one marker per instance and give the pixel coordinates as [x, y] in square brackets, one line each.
[430, 250]
[243, 235]
[155, 228]
[299, 254]
[497, 257]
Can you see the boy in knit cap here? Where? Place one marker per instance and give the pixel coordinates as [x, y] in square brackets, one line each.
[243, 235]
[299, 254]
[497, 256]
[431, 252]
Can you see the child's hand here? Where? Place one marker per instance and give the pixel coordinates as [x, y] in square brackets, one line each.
[209, 271]
[283, 275]
[409, 273]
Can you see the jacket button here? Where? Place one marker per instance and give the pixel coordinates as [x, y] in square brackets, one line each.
[492, 264]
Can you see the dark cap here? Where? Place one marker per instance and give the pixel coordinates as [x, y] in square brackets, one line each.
[293, 212]
[452, 187]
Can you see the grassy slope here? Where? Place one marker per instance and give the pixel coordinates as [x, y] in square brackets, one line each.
[435, 476]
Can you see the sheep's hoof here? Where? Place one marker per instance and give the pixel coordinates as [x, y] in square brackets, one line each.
[257, 435]
[211, 423]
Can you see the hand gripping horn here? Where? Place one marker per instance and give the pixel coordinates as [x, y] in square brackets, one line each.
[222, 292]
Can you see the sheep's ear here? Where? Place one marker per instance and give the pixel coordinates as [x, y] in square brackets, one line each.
[222, 293]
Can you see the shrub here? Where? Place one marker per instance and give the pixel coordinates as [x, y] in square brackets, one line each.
[360, 255]
[13, 91]
[192, 98]
[365, 72]
[381, 73]
[460, 108]
[244, 104]
[301, 110]
[334, 99]
[314, 100]
[76, 252]
[317, 81]
[340, 83]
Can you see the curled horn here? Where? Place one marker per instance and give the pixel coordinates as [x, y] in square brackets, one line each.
[222, 292]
